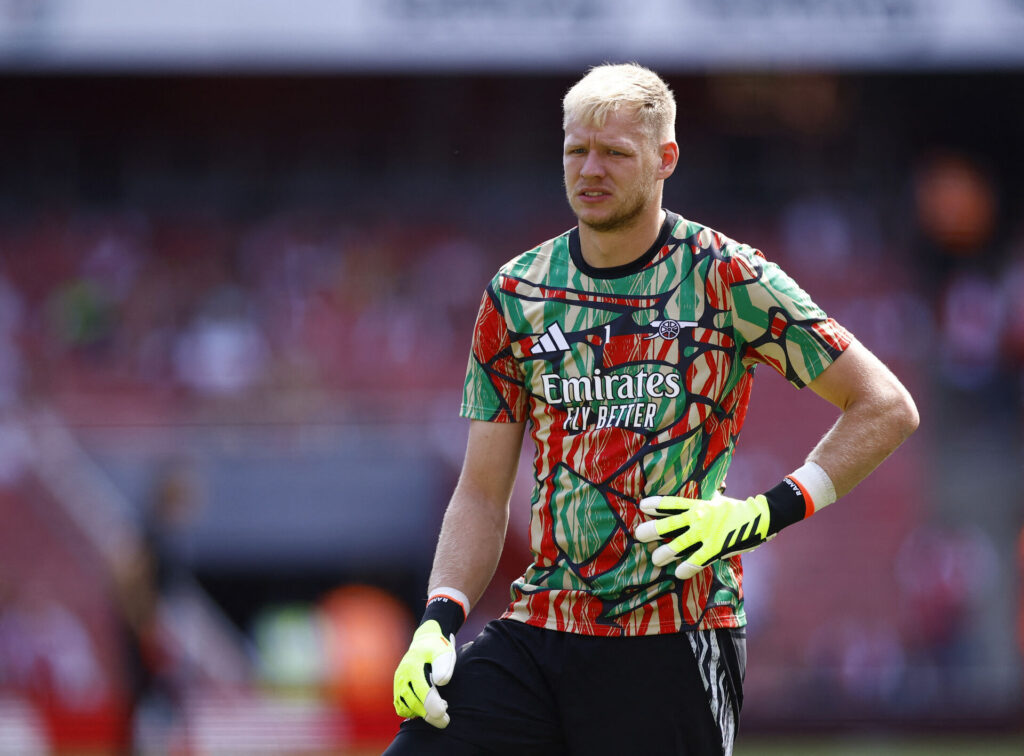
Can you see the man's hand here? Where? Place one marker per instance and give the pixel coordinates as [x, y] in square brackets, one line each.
[415, 685]
[700, 532]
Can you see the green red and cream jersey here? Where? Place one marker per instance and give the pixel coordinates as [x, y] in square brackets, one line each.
[635, 382]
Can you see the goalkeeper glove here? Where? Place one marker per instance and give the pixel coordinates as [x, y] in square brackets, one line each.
[430, 661]
[700, 532]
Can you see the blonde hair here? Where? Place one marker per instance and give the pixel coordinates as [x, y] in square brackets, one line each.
[609, 86]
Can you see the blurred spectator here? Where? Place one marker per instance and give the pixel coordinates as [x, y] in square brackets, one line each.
[46, 651]
[942, 574]
[957, 204]
[223, 352]
[972, 321]
[345, 647]
[819, 234]
[15, 448]
[1012, 284]
[365, 630]
[48, 657]
[159, 669]
[11, 362]
[1020, 592]
[80, 316]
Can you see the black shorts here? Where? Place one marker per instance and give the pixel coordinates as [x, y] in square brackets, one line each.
[519, 689]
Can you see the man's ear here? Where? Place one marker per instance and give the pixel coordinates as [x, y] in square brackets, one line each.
[669, 152]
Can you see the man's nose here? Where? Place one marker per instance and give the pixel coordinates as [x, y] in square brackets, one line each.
[592, 165]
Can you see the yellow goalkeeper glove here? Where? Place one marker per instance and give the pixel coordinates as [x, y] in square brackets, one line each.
[700, 532]
[430, 660]
[428, 663]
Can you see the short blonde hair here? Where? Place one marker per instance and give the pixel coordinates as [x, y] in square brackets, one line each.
[609, 86]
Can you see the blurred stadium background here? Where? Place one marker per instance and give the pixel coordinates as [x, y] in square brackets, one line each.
[241, 249]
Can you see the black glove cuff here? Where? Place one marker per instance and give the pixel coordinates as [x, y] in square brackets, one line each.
[786, 504]
[449, 614]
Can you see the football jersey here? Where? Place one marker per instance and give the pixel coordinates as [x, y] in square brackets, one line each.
[635, 381]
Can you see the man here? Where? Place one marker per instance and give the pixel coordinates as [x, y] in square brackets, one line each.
[629, 342]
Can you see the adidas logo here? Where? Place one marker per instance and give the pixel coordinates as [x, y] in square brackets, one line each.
[553, 340]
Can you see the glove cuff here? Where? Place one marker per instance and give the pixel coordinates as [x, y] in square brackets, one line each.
[448, 607]
[798, 496]
[787, 504]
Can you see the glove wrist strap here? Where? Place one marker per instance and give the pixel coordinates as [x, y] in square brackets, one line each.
[786, 504]
[449, 607]
[798, 496]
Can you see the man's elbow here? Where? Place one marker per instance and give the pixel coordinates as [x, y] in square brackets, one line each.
[903, 413]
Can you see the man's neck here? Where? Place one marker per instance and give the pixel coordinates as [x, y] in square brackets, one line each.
[610, 249]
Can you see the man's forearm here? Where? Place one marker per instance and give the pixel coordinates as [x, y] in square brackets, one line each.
[472, 536]
[878, 414]
[470, 544]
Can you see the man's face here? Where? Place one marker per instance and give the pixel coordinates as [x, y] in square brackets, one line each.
[612, 173]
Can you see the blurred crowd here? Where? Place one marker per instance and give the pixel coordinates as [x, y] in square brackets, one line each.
[196, 306]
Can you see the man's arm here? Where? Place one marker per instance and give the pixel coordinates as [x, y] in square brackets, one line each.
[471, 540]
[473, 530]
[878, 414]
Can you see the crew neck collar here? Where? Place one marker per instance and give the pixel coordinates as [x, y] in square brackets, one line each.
[626, 269]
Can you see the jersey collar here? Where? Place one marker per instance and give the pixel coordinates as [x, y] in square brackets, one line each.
[628, 269]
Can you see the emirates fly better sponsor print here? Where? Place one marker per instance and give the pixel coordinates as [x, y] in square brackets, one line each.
[578, 394]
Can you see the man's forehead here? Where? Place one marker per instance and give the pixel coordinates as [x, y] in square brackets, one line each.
[617, 127]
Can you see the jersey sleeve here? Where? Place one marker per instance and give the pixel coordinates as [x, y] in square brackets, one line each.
[494, 388]
[779, 323]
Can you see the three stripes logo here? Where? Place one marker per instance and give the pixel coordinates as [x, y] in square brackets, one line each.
[552, 341]
[745, 532]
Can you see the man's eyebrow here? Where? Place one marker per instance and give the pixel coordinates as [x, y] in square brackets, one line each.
[623, 144]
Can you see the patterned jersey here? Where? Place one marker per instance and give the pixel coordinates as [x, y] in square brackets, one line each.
[635, 381]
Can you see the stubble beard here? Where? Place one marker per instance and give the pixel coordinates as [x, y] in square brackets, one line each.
[627, 216]
[621, 220]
